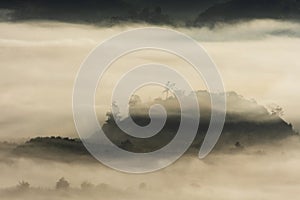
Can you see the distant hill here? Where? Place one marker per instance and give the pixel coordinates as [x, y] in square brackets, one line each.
[176, 12]
[53, 148]
[247, 124]
[236, 10]
[109, 12]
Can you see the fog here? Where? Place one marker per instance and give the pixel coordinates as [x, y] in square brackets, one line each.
[263, 171]
[39, 62]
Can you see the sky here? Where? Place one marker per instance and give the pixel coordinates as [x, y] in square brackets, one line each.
[39, 62]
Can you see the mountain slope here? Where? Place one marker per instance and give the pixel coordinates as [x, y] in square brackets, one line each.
[247, 124]
[113, 11]
[236, 10]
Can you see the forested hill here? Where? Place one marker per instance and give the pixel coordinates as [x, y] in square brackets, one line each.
[247, 123]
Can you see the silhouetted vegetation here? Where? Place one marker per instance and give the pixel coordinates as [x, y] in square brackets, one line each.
[247, 123]
[237, 10]
[87, 185]
[62, 184]
[191, 13]
[23, 185]
[54, 148]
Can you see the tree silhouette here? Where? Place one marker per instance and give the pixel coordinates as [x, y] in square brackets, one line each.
[86, 185]
[62, 184]
[169, 86]
[23, 185]
[275, 110]
[110, 116]
[135, 100]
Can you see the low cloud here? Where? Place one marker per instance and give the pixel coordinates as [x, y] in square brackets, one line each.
[40, 60]
[262, 171]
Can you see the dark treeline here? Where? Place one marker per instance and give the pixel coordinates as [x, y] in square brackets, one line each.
[183, 13]
[247, 123]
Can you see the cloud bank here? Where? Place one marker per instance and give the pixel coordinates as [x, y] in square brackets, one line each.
[39, 62]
